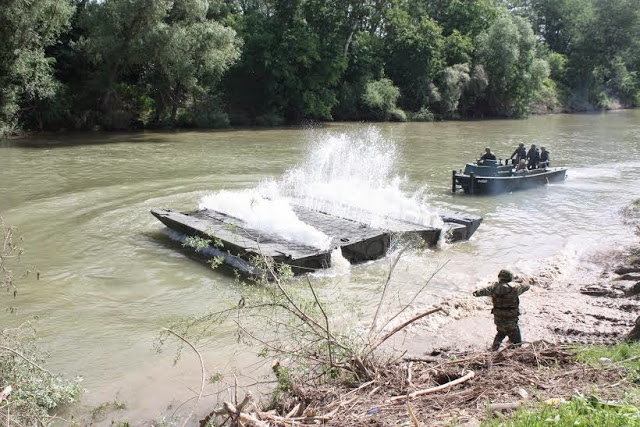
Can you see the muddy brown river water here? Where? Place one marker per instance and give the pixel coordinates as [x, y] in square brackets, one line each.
[110, 280]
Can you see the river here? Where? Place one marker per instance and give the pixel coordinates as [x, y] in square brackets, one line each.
[110, 281]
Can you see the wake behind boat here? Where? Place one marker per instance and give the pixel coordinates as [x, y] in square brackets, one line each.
[492, 177]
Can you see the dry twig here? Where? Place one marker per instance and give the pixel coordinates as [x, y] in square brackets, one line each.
[202, 372]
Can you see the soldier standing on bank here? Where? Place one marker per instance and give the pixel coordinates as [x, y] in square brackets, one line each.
[634, 335]
[505, 307]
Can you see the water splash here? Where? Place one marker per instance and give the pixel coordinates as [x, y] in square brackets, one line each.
[273, 216]
[351, 175]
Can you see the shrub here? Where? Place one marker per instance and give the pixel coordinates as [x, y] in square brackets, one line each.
[380, 97]
[424, 115]
[36, 391]
[397, 115]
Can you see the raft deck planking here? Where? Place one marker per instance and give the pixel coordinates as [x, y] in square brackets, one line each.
[358, 241]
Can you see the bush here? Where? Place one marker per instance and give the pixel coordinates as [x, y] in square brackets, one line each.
[380, 97]
[546, 100]
[35, 390]
[424, 115]
[397, 115]
[212, 120]
[270, 120]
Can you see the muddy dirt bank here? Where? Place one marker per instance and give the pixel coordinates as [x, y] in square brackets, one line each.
[445, 362]
[556, 309]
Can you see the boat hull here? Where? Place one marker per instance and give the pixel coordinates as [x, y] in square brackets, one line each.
[472, 184]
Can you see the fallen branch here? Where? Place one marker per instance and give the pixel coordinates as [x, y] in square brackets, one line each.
[460, 380]
[355, 390]
[251, 420]
[401, 327]
[428, 359]
[415, 295]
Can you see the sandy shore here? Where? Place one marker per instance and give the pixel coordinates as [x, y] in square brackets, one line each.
[554, 309]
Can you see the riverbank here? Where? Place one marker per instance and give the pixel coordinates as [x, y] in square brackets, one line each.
[573, 365]
[30, 138]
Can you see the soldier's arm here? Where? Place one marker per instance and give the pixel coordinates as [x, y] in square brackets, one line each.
[521, 289]
[483, 292]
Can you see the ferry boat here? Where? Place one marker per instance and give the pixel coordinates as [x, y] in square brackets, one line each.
[493, 176]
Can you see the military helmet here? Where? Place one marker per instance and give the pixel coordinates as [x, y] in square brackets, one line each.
[505, 275]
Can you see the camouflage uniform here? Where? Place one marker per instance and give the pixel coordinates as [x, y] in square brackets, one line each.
[634, 335]
[505, 307]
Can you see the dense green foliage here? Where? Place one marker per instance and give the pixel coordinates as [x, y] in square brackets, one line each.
[125, 64]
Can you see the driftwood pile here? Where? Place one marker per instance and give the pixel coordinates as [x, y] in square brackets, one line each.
[434, 389]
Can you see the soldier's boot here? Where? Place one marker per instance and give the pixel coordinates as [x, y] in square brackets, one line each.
[497, 341]
[634, 335]
[514, 337]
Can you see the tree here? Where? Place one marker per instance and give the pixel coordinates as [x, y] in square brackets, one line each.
[414, 56]
[159, 56]
[188, 56]
[456, 78]
[380, 98]
[606, 54]
[293, 59]
[27, 28]
[600, 41]
[469, 18]
[507, 51]
[117, 44]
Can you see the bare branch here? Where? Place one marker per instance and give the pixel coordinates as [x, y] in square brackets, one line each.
[202, 372]
[415, 295]
[401, 327]
[386, 285]
[326, 319]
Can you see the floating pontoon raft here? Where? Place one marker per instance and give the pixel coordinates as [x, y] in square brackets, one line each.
[238, 244]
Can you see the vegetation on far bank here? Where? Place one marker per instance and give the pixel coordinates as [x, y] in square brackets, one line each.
[116, 64]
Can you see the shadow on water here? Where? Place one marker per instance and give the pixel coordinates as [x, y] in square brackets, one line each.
[50, 140]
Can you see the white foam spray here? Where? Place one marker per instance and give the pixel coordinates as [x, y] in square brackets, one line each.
[351, 175]
[273, 216]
